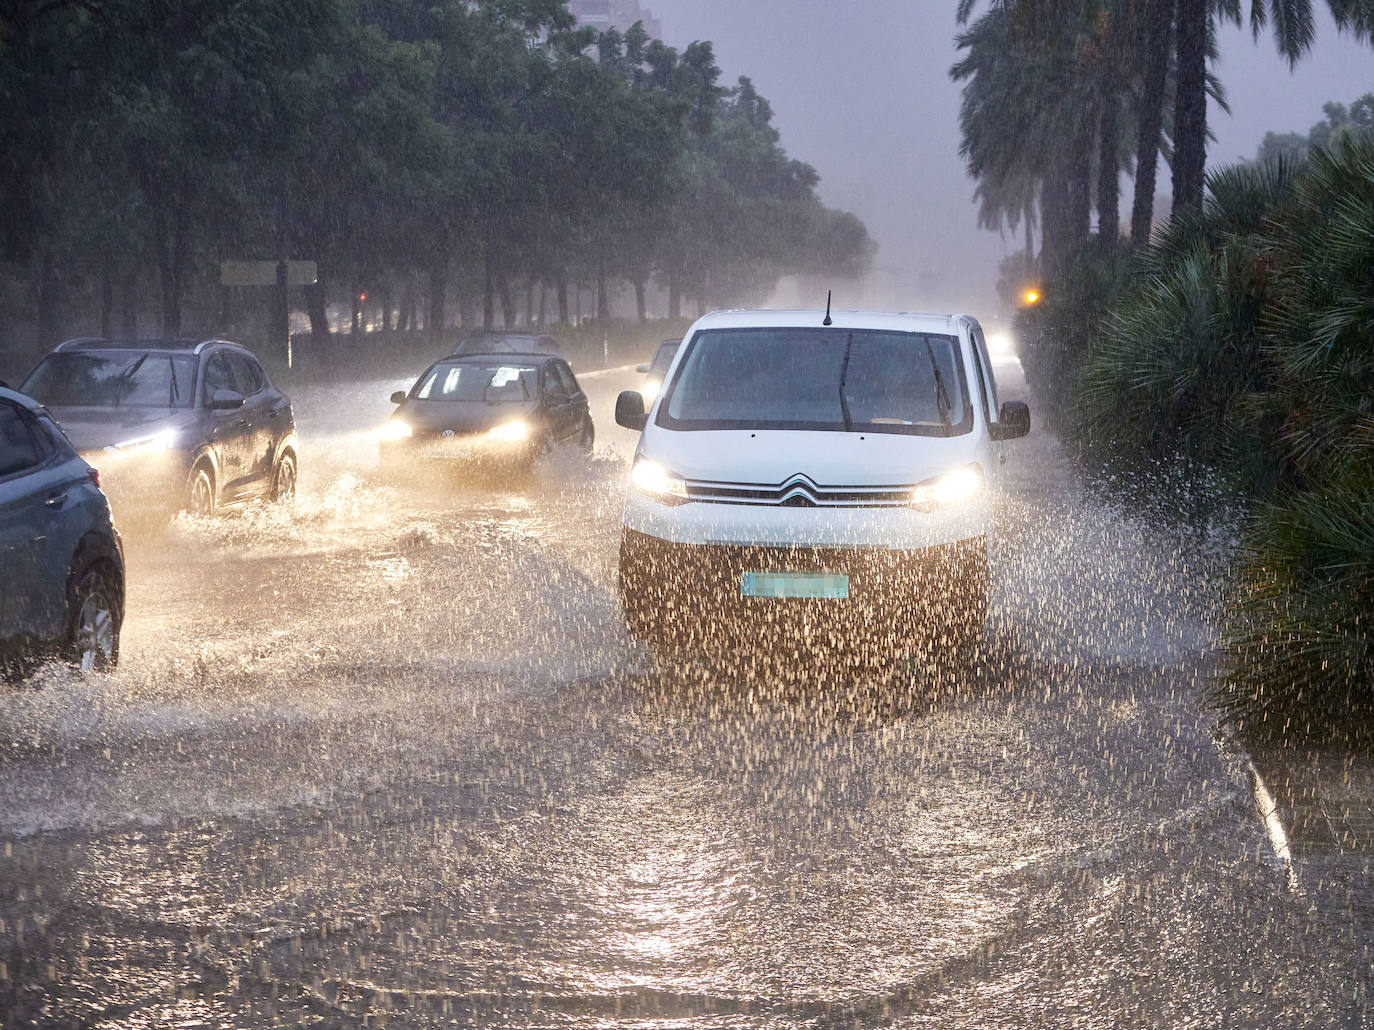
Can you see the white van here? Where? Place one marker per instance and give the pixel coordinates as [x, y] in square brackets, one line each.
[816, 478]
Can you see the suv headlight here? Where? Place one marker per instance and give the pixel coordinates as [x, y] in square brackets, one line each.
[163, 441]
[949, 489]
[654, 481]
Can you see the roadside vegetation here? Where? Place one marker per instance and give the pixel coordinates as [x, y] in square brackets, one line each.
[1219, 360]
[444, 161]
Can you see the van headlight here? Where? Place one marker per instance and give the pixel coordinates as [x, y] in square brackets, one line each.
[949, 489]
[654, 481]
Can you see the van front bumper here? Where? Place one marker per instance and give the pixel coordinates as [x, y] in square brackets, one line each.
[684, 595]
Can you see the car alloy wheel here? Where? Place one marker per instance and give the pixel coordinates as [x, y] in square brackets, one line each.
[200, 499]
[94, 636]
[284, 484]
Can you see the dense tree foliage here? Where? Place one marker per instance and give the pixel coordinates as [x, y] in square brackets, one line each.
[438, 151]
[1233, 361]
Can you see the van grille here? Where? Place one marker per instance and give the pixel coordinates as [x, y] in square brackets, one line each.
[799, 492]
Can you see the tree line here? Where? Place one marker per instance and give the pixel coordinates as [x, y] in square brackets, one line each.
[1061, 97]
[422, 152]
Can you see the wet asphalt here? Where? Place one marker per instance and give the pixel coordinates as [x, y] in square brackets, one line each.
[389, 759]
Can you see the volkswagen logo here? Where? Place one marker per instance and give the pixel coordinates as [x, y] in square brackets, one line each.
[447, 434]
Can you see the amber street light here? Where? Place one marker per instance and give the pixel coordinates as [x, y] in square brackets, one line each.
[1031, 297]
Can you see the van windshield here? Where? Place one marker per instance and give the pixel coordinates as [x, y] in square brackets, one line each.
[838, 380]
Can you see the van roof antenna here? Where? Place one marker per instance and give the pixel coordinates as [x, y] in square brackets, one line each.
[828, 319]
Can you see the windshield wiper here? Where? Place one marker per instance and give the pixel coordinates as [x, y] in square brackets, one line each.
[941, 394]
[122, 383]
[174, 392]
[844, 377]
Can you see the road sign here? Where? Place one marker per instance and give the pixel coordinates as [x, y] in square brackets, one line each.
[264, 273]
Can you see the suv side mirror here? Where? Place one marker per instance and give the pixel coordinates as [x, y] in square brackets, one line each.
[399, 397]
[1013, 421]
[629, 410]
[225, 400]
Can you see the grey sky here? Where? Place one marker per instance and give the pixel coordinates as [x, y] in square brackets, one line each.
[861, 90]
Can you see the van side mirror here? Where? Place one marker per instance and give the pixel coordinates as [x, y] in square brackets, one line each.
[642, 369]
[399, 397]
[225, 400]
[629, 410]
[1013, 421]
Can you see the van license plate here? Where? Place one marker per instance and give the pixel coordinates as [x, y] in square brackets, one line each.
[794, 584]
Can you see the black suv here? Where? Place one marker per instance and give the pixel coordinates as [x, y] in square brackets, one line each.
[172, 424]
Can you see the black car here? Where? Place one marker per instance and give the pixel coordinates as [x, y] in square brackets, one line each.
[492, 341]
[172, 424]
[655, 371]
[497, 409]
[61, 561]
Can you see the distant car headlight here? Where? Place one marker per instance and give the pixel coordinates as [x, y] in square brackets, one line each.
[511, 432]
[396, 429]
[953, 488]
[650, 390]
[163, 441]
[652, 480]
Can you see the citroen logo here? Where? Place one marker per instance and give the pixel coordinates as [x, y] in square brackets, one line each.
[447, 434]
[799, 492]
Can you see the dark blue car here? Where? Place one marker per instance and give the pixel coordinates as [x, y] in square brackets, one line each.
[61, 561]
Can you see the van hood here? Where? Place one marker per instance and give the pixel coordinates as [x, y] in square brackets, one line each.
[91, 429]
[772, 457]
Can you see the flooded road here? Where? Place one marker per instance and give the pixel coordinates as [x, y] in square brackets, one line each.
[390, 759]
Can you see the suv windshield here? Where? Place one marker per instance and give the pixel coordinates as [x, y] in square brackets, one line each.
[113, 379]
[860, 380]
[494, 384]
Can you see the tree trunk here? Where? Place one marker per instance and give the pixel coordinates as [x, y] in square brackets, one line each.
[171, 263]
[507, 300]
[357, 313]
[128, 305]
[51, 325]
[384, 292]
[438, 287]
[316, 306]
[1159, 44]
[1190, 109]
[577, 302]
[467, 308]
[563, 300]
[1108, 153]
[674, 300]
[404, 317]
[641, 305]
[529, 303]
[603, 302]
[543, 304]
[489, 293]
[107, 297]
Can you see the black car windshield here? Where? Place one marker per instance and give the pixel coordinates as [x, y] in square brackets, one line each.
[114, 379]
[861, 380]
[492, 383]
[663, 358]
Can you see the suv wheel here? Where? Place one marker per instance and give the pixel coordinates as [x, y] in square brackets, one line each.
[284, 482]
[588, 437]
[200, 495]
[93, 622]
